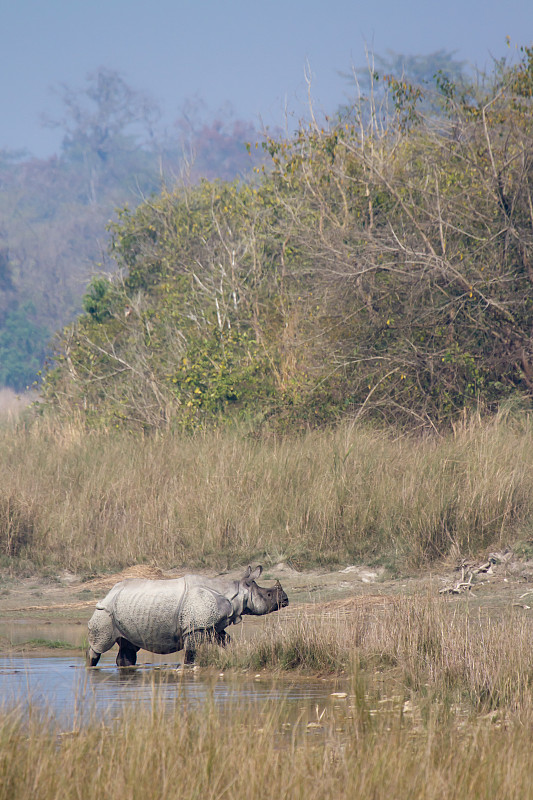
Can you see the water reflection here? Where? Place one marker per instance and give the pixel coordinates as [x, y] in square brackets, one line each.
[73, 694]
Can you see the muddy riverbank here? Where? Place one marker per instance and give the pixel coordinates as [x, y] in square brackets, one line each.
[47, 615]
[360, 670]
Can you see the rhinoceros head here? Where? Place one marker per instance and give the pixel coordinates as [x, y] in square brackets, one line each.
[259, 600]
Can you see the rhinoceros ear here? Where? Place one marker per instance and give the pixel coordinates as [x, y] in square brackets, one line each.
[256, 573]
[246, 574]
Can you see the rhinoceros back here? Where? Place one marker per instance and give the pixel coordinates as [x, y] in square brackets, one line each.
[147, 613]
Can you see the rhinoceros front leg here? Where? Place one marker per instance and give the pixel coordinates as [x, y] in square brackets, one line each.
[127, 653]
[101, 634]
[92, 657]
[193, 639]
[222, 638]
[205, 614]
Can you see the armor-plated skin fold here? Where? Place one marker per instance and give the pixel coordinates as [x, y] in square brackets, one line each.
[164, 616]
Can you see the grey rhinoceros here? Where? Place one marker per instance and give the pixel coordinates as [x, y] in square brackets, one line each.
[164, 616]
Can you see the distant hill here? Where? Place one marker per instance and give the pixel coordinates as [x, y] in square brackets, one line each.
[54, 212]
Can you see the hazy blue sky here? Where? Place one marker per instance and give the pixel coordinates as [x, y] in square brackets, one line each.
[249, 53]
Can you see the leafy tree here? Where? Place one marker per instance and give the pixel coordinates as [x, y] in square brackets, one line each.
[381, 267]
[403, 82]
[422, 69]
[98, 299]
[6, 272]
[214, 144]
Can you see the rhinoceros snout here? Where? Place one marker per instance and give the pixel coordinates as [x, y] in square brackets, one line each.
[282, 598]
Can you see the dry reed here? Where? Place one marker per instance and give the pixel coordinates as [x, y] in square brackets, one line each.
[210, 754]
[425, 644]
[91, 501]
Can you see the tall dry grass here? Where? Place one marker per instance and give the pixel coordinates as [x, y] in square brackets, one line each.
[94, 500]
[213, 754]
[424, 644]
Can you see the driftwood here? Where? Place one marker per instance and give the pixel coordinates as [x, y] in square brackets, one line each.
[460, 586]
[485, 568]
[475, 568]
[469, 569]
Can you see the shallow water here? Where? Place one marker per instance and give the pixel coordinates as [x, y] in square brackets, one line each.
[73, 694]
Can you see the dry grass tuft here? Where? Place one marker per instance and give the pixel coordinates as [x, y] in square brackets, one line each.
[425, 644]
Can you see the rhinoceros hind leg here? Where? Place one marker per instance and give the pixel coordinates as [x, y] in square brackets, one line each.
[127, 653]
[190, 642]
[92, 657]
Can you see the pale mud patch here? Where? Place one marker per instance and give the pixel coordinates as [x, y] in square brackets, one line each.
[105, 582]
[102, 585]
[67, 584]
[12, 403]
[340, 608]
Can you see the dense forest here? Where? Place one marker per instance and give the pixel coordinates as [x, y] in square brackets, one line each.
[374, 264]
[54, 211]
[378, 266]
